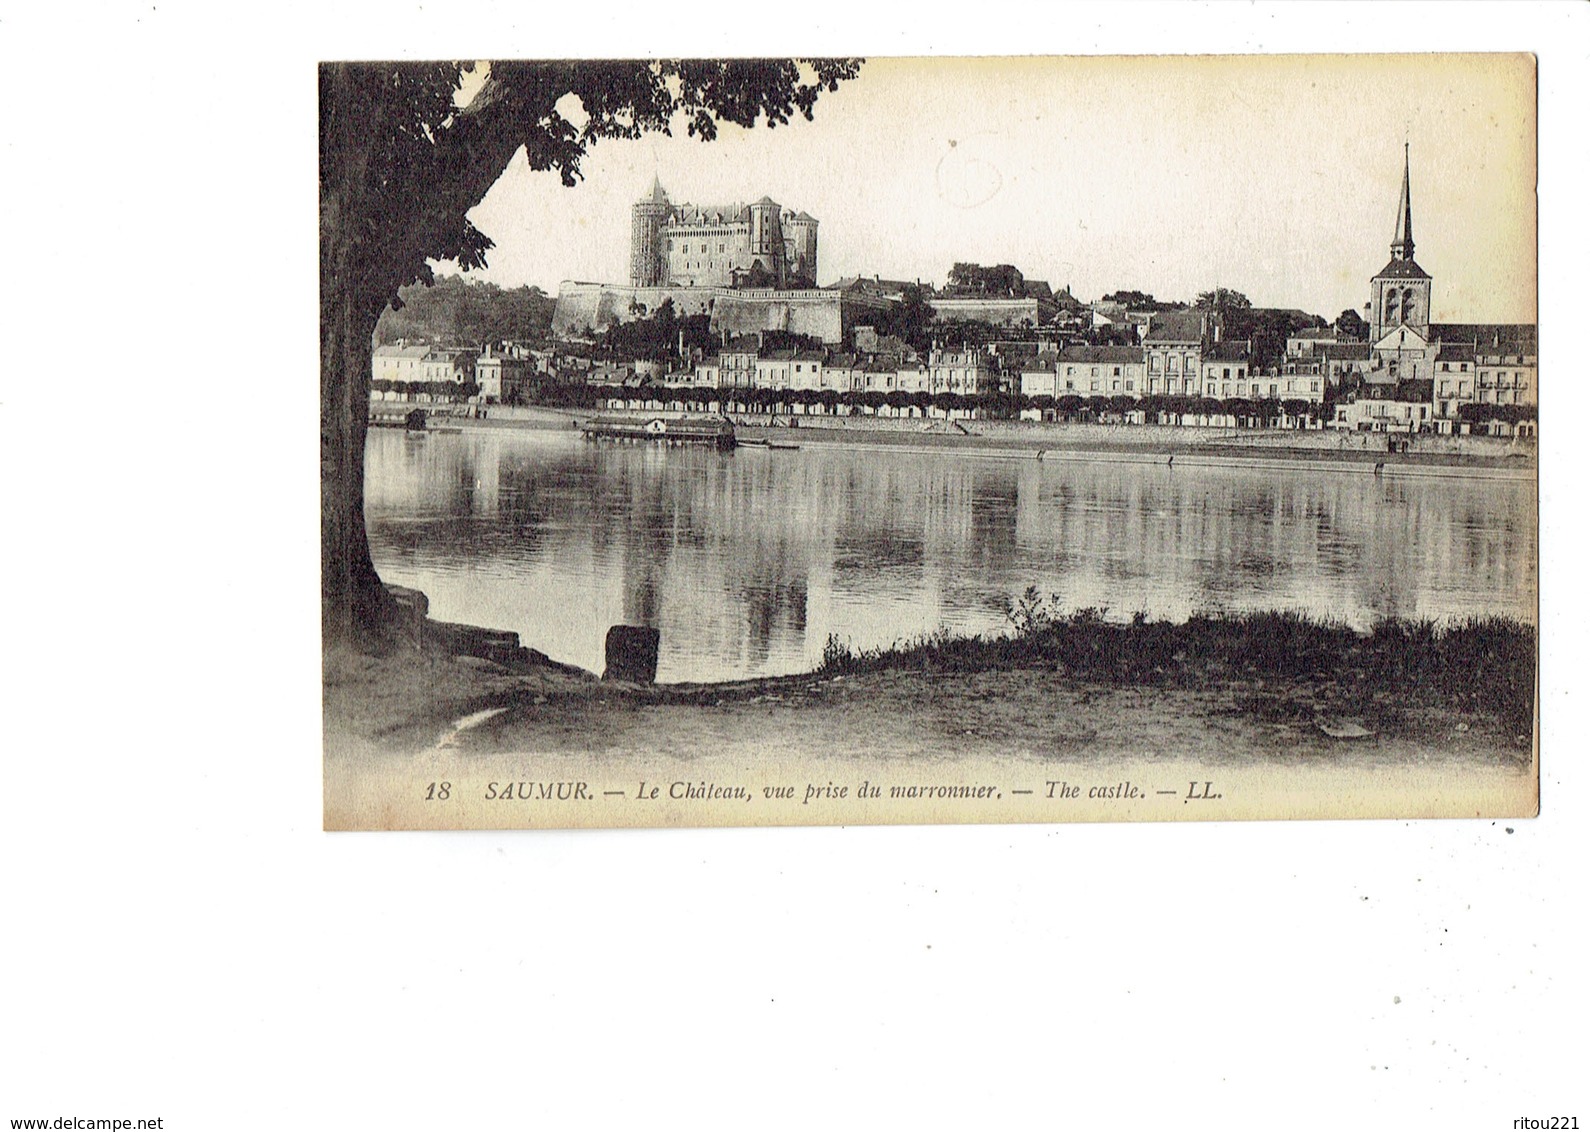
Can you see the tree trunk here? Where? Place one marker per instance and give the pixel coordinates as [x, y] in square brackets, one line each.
[355, 607]
[383, 212]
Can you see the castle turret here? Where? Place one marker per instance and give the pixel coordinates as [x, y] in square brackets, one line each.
[646, 261]
[801, 231]
[767, 240]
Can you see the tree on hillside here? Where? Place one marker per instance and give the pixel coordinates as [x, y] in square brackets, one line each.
[1223, 299]
[1135, 300]
[456, 310]
[401, 165]
[1351, 324]
[909, 320]
[1000, 281]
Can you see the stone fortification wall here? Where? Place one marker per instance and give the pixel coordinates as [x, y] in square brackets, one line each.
[818, 314]
[824, 315]
[597, 306]
[997, 312]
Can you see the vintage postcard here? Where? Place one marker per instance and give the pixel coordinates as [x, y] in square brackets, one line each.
[841, 441]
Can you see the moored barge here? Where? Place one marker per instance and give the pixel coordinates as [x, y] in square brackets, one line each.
[666, 428]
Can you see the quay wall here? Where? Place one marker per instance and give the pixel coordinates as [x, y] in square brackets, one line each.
[820, 314]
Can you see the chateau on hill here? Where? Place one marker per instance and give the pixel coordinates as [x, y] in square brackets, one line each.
[686, 245]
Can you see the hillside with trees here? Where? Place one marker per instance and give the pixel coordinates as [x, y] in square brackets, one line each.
[459, 311]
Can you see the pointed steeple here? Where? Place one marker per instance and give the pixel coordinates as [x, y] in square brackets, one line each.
[1402, 243]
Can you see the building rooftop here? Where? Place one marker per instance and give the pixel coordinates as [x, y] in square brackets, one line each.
[1401, 269]
[1176, 326]
[1111, 354]
[1488, 337]
[1231, 350]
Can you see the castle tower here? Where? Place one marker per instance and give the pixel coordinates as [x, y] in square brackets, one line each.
[645, 243]
[802, 233]
[1400, 293]
[767, 240]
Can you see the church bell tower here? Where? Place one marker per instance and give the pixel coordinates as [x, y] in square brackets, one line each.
[1400, 293]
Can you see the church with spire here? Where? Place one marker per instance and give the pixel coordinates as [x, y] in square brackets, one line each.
[1464, 363]
[1400, 292]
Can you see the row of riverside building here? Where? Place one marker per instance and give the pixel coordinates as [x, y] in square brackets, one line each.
[1408, 375]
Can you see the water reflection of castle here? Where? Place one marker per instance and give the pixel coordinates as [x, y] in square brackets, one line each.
[747, 563]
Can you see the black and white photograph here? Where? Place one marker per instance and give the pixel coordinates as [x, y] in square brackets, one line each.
[773, 441]
[834, 566]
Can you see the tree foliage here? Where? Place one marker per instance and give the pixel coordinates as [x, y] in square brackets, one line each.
[1223, 299]
[972, 279]
[910, 319]
[1351, 324]
[458, 311]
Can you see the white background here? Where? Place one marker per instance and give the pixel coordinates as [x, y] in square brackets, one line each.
[181, 940]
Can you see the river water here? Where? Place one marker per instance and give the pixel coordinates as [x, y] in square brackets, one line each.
[748, 561]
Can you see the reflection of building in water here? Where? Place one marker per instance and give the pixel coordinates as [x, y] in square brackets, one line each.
[747, 562]
[1340, 546]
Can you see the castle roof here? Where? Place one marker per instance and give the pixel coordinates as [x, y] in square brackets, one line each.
[803, 215]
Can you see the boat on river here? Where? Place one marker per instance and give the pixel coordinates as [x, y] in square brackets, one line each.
[664, 428]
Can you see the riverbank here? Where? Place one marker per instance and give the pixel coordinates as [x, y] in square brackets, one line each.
[1250, 690]
[1148, 444]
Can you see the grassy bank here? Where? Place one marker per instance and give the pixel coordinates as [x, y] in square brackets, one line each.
[1482, 666]
[1240, 688]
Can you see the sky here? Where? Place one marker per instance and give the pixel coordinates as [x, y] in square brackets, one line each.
[1277, 176]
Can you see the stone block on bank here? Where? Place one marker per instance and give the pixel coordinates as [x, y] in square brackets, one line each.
[412, 606]
[632, 654]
